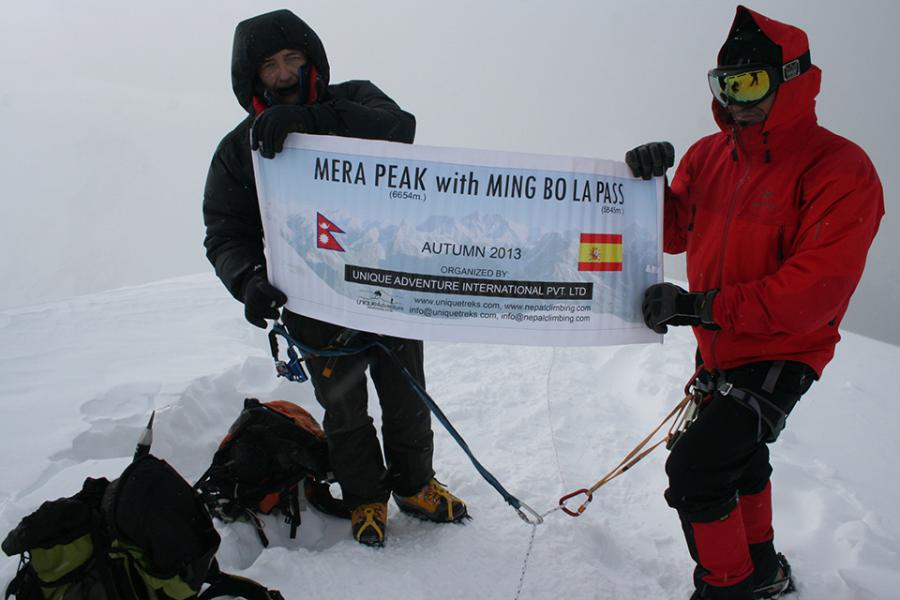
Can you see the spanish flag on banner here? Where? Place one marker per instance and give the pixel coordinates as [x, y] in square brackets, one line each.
[600, 252]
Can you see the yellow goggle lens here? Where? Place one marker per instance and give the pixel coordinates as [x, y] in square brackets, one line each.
[748, 86]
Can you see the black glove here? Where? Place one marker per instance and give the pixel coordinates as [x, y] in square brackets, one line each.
[275, 123]
[262, 300]
[650, 160]
[667, 304]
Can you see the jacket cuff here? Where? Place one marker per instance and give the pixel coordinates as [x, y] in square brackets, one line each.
[249, 274]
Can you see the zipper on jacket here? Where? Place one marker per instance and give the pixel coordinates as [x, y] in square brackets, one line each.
[690, 226]
[728, 217]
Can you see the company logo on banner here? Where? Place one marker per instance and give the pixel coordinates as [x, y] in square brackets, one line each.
[600, 252]
[508, 248]
[325, 231]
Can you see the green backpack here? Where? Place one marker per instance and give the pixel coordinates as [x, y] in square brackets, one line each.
[143, 536]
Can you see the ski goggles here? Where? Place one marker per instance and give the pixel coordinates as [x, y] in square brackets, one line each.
[749, 84]
[743, 85]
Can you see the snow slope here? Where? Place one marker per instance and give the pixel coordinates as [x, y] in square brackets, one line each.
[78, 379]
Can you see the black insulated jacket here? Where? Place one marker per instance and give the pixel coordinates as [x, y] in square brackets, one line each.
[234, 234]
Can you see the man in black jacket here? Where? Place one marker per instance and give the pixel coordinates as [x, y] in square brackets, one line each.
[280, 75]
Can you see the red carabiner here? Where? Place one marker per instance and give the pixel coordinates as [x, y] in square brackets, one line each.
[577, 512]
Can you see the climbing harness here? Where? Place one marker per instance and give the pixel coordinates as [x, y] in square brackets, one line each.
[293, 370]
[699, 389]
[771, 417]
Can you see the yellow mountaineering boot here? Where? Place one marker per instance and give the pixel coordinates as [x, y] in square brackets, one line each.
[434, 502]
[369, 523]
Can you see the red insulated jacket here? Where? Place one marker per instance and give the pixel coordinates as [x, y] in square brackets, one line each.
[779, 218]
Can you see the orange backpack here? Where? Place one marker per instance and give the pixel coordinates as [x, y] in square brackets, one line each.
[269, 449]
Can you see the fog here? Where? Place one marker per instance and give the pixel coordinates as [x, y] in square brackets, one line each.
[111, 110]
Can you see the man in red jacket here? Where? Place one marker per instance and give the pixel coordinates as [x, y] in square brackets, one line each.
[776, 215]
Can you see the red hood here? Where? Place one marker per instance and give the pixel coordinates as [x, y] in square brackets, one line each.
[796, 99]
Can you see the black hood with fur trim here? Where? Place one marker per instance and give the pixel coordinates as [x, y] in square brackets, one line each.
[262, 36]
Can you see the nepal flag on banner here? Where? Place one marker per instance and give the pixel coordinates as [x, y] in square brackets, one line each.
[324, 234]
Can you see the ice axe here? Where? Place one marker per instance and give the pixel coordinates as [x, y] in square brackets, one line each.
[143, 445]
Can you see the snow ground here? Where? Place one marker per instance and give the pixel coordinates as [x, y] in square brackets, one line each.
[78, 379]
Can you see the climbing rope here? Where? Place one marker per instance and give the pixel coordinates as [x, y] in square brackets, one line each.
[681, 417]
[534, 527]
[293, 371]
[559, 471]
[559, 474]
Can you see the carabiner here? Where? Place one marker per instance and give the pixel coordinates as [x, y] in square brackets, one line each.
[291, 369]
[577, 512]
[528, 514]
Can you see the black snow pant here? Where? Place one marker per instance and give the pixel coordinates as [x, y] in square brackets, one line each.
[355, 453]
[719, 472]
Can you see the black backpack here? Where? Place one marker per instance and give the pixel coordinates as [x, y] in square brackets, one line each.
[268, 451]
[143, 536]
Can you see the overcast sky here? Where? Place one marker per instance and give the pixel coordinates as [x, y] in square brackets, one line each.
[111, 110]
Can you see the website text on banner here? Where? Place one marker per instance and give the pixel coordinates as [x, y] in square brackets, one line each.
[461, 245]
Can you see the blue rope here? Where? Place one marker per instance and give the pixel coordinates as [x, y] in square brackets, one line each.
[279, 329]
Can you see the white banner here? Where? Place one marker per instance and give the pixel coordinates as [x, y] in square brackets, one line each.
[460, 245]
